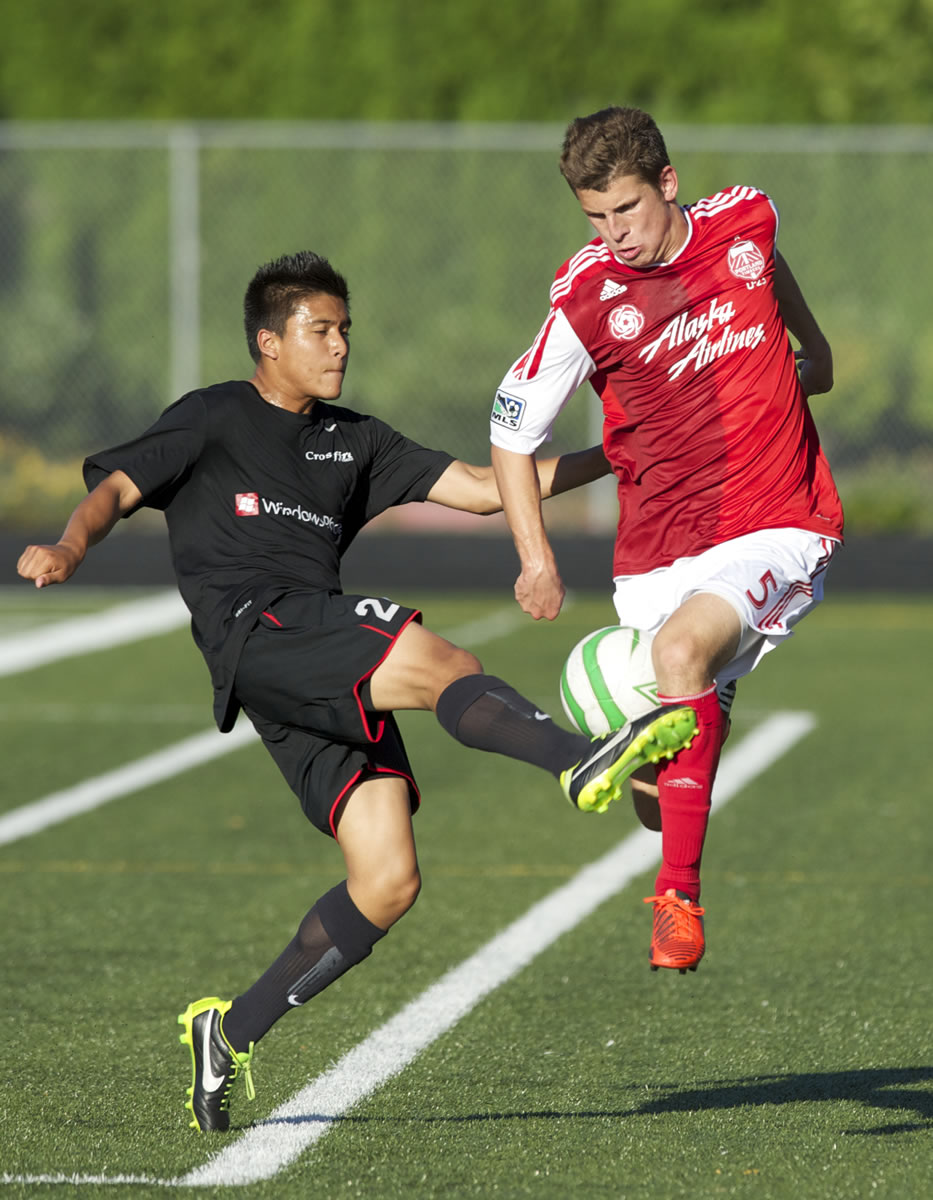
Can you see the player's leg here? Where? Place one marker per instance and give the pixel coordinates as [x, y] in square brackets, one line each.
[644, 781]
[374, 833]
[698, 640]
[726, 608]
[340, 929]
[424, 671]
[644, 785]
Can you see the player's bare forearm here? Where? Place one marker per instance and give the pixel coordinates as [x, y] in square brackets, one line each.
[569, 471]
[474, 489]
[538, 589]
[815, 357]
[90, 522]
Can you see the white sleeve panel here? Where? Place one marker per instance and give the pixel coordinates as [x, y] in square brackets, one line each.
[538, 386]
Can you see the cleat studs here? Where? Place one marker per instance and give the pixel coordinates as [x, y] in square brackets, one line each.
[653, 967]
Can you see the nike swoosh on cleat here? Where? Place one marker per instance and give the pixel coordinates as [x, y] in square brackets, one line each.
[211, 1081]
[540, 716]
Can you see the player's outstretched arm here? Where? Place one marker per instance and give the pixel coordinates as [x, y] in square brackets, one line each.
[474, 489]
[815, 358]
[89, 524]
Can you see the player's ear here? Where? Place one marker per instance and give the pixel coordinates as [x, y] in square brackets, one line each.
[667, 182]
[268, 343]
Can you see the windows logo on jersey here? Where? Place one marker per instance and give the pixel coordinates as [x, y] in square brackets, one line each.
[247, 504]
[507, 411]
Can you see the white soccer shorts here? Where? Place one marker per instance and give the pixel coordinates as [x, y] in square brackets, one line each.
[772, 579]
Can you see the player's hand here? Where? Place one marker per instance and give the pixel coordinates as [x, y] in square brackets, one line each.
[48, 564]
[540, 593]
[816, 371]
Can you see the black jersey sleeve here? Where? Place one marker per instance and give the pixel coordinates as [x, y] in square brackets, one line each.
[160, 459]
[401, 470]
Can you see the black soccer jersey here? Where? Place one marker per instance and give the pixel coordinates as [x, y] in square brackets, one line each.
[259, 500]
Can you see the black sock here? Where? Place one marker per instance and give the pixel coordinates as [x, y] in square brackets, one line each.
[333, 937]
[482, 711]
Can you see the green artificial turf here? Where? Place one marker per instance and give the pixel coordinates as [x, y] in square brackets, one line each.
[796, 1063]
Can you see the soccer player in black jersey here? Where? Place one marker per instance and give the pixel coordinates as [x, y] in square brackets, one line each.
[264, 483]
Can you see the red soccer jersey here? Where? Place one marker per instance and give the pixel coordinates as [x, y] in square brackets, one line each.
[705, 423]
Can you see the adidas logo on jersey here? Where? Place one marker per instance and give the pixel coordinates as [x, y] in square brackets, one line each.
[612, 289]
[684, 782]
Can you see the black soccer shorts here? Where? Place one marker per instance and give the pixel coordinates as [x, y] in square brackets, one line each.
[302, 681]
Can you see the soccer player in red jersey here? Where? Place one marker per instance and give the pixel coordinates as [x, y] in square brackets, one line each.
[728, 515]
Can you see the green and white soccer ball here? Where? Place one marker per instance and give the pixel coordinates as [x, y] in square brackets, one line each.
[608, 680]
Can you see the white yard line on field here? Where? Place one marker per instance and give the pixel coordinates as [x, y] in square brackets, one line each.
[268, 1147]
[82, 634]
[115, 626]
[162, 613]
[272, 1144]
[133, 777]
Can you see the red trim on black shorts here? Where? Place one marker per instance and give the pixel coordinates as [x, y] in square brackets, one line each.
[416, 615]
[356, 779]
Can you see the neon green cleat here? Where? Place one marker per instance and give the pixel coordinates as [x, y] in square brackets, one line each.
[215, 1065]
[594, 782]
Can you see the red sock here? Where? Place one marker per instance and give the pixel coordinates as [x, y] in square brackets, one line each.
[685, 788]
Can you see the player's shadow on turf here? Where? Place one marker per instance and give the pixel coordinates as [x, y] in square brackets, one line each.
[886, 1089]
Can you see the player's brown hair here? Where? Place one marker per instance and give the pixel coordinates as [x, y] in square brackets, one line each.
[614, 141]
[278, 287]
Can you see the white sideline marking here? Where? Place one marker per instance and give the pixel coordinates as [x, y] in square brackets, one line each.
[265, 1149]
[97, 631]
[143, 772]
[289, 1130]
[163, 764]
[152, 615]
[113, 1180]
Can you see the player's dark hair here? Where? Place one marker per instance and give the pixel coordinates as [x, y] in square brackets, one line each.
[278, 287]
[609, 143]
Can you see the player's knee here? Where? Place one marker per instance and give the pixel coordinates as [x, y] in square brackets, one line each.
[464, 662]
[400, 891]
[680, 656]
[456, 664]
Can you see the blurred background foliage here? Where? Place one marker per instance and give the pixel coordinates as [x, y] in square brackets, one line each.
[718, 61]
[449, 234]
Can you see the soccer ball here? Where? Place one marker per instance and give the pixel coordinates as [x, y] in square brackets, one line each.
[608, 680]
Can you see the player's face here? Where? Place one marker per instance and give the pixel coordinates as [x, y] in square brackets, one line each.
[312, 356]
[641, 224]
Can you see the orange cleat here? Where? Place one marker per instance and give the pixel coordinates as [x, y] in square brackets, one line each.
[677, 939]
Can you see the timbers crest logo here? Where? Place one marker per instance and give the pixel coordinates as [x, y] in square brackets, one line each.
[746, 261]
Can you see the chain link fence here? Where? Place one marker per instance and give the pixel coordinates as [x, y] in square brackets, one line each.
[125, 249]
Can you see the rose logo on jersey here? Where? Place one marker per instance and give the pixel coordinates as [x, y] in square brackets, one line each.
[746, 261]
[247, 504]
[626, 322]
